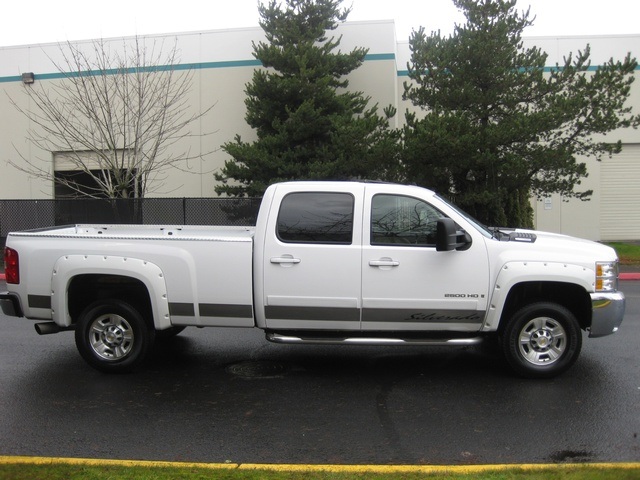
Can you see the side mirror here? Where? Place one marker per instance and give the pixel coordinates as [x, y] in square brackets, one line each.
[448, 238]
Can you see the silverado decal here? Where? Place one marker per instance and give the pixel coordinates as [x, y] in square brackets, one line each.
[435, 317]
[394, 315]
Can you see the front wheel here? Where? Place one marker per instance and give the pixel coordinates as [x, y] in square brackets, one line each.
[542, 340]
[112, 336]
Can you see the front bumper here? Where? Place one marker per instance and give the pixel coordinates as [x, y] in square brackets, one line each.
[607, 311]
[10, 304]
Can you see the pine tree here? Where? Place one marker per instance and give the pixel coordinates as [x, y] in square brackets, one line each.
[308, 125]
[497, 127]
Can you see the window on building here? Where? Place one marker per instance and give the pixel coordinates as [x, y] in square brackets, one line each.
[83, 183]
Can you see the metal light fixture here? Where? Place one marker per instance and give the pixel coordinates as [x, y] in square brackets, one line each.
[28, 78]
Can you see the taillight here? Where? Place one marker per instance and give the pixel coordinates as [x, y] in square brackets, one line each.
[11, 266]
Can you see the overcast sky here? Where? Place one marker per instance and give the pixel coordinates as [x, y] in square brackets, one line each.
[44, 21]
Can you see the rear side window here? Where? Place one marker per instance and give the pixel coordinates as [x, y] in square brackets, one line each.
[316, 217]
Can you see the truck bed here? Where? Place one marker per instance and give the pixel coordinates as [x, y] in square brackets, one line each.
[203, 273]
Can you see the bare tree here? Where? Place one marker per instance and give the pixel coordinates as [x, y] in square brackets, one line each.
[113, 116]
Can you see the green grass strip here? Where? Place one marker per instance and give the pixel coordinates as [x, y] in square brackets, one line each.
[27, 468]
[628, 253]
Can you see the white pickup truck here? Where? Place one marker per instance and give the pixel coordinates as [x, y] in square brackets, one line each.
[328, 262]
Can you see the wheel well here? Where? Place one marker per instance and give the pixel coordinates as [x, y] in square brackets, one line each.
[571, 296]
[85, 289]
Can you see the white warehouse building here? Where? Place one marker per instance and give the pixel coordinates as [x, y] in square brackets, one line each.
[223, 64]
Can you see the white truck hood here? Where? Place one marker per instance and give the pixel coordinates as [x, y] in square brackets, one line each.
[537, 245]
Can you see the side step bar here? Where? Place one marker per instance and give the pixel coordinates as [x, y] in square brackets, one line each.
[318, 340]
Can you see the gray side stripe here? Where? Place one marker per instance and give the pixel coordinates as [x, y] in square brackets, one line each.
[39, 301]
[313, 313]
[225, 310]
[374, 315]
[211, 310]
[182, 309]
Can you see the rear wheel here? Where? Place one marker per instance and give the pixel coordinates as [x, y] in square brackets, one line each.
[542, 340]
[112, 336]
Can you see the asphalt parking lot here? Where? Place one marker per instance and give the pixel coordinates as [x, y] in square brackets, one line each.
[216, 395]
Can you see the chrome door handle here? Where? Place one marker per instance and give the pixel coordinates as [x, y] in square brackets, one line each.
[383, 262]
[286, 259]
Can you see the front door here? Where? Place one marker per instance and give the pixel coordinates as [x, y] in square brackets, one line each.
[406, 284]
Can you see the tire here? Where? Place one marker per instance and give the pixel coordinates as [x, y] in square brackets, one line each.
[112, 336]
[542, 340]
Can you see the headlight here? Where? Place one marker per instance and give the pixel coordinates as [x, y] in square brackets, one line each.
[606, 276]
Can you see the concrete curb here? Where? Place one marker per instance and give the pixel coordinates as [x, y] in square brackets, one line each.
[440, 470]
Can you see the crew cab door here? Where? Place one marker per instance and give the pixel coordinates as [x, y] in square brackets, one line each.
[406, 284]
[311, 259]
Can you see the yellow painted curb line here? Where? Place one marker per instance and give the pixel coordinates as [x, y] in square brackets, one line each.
[434, 469]
[93, 462]
[426, 469]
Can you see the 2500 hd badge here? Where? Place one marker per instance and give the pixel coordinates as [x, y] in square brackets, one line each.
[463, 295]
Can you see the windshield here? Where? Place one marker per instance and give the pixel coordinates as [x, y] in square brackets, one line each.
[486, 231]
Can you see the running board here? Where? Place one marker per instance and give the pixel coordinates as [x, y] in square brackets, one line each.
[297, 339]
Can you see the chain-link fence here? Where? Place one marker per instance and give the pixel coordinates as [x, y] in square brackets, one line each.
[31, 214]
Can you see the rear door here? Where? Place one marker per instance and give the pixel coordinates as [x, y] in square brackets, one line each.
[312, 259]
